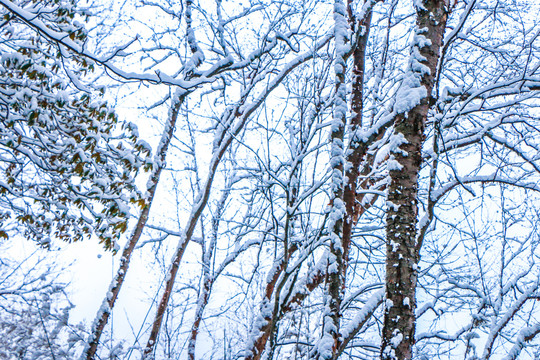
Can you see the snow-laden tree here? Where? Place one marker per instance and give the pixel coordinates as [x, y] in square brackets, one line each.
[34, 311]
[33, 328]
[412, 99]
[67, 164]
[36, 321]
[344, 179]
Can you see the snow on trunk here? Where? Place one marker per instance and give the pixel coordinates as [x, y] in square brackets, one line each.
[411, 107]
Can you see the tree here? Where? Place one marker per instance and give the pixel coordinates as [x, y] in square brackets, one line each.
[345, 180]
[404, 164]
[69, 165]
[33, 327]
[68, 169]
[34, 311]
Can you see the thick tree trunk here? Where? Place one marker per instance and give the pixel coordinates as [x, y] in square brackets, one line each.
[412, 107]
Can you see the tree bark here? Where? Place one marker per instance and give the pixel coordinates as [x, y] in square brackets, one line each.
[404, 165]
[335, 278]
[357, 148]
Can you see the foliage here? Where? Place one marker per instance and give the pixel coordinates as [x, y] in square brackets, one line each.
[67, 165]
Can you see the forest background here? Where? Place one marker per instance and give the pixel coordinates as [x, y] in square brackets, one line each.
[269, 179]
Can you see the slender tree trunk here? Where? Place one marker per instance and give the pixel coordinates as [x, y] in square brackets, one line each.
[208, 277]
[175, 265]
[404, 165]
[328, 344]
[344, 188]
[357, 148]
[221, 146]
[230, 131]
[102, 317]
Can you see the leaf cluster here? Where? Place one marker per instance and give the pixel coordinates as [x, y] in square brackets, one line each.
[67, 164]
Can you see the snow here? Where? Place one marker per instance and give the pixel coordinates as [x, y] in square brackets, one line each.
[409, 95]
[419, 4]
[519, 343]
[396, 339]
[13, 58]
[406, 301]
[392, 206]
[393, 165]
[363, 314]
[325, 344]
[411, 91]
[249, 108]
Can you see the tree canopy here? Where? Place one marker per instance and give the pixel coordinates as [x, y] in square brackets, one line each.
[68, 165]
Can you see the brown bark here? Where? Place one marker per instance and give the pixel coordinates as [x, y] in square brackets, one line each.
[203, 300]
[357, 151]
[335, 276]
[353, 212]
[402, 257]
[296, 298]
[357, 147]
[269, 320]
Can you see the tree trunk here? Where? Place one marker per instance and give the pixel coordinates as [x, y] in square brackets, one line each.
[328, 344]
[411, 108]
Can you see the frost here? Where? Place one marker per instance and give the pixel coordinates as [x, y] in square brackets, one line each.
[288, 200]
